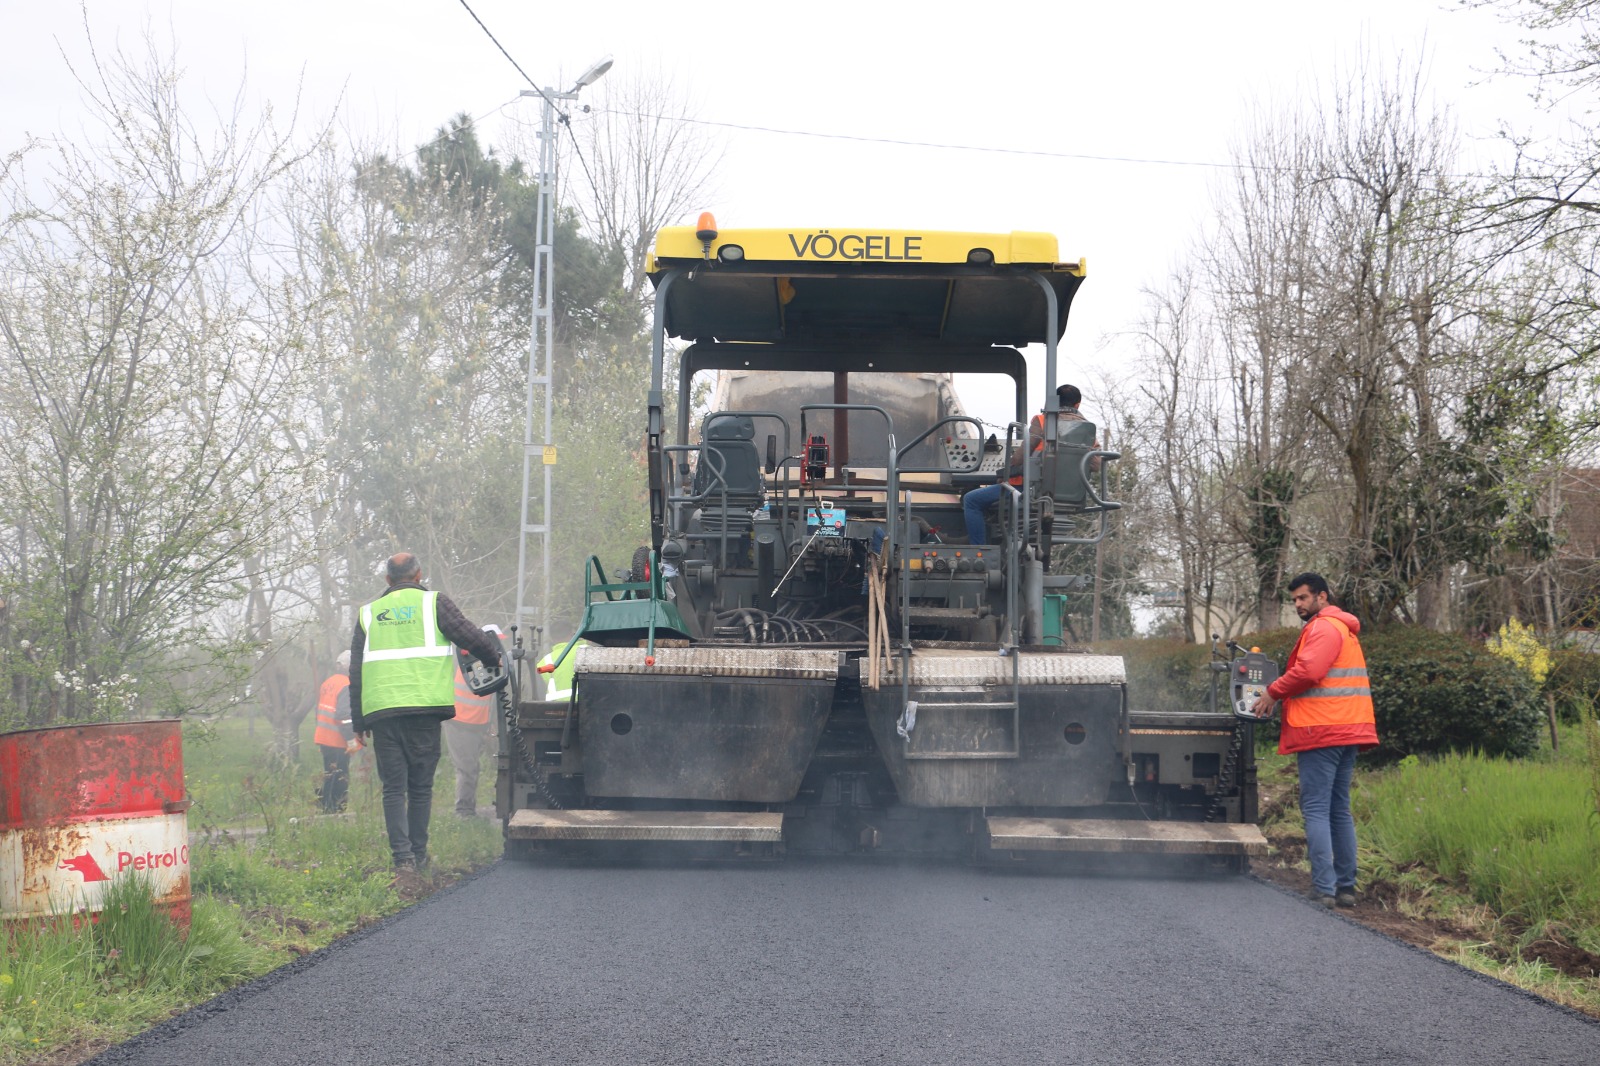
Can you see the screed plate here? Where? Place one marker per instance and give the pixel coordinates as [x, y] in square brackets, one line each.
[735, 826]
[1117, 835]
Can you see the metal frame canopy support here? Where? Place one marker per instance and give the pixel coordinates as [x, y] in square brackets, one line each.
[541, 362]
[791, 299]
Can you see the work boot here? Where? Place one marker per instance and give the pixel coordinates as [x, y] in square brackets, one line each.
[406, 881]
[1346, 896]
[1323, 898]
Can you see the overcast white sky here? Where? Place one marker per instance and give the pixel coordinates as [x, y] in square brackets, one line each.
[1129, 105]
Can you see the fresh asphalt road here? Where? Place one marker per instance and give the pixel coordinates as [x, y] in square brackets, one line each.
[830, 962]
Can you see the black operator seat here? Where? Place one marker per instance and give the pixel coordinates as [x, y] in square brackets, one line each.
[1065, 484]
[729, 450]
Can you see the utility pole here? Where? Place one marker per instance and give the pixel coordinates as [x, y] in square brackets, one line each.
[537, 514]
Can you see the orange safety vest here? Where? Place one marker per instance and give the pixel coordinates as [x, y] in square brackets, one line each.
[1338, 711]
[328, 734]
[470, 709]
[1037, 423]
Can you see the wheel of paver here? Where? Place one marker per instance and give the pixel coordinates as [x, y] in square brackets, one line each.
[641, 565]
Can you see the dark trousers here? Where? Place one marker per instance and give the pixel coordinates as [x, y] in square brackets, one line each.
[407, 751]
[335, 778]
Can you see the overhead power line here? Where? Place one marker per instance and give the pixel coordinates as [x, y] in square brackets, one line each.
[561, 114]
[862, 138]
[565, 121]
[952, 147]
[490, 34]
[1038, 153]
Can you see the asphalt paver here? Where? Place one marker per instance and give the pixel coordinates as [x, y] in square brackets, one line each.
[832, 962]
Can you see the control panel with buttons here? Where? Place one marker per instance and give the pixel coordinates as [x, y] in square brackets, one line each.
[940, 559]
[1251, 673]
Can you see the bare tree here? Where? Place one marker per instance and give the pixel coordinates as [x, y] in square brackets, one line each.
[1262, 276]
[1386, 416]
[138, 471]
[1182, 450]
[642, 163]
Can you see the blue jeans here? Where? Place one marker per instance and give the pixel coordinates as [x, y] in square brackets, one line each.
[407, 751]
[974, 503]
[1325, 802]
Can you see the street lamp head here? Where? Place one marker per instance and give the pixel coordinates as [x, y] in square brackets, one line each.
[593, 74]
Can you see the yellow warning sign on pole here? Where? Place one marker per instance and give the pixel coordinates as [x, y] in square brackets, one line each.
[549, 455]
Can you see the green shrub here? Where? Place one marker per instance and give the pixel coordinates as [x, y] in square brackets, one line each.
[1431, 692]
[1441, 692]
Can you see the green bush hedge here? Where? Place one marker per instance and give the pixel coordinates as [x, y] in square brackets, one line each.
[1432, 692]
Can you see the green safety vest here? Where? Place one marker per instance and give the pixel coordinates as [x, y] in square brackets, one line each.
[558, 683]
[407, 662]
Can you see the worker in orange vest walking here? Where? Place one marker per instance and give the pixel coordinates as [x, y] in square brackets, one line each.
[334, 736]
[465, 736]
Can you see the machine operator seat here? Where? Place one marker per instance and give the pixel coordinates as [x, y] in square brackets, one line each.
[1062, 477]
[731, 452]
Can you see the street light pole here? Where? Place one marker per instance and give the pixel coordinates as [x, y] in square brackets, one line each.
[541, 362]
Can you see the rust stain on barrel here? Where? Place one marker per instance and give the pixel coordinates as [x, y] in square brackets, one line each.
[63, 789]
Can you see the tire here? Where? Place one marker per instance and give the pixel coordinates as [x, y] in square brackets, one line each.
[640, 571]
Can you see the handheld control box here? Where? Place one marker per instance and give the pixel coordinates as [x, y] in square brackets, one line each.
[1249, 675]
[482, 680]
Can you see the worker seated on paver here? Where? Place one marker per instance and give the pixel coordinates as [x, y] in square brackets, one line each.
[975, 503]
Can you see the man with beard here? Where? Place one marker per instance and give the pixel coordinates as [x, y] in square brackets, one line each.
[1327, 719]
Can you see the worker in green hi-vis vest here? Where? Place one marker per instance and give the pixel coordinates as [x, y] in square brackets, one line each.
[402, 688]
[558, 679]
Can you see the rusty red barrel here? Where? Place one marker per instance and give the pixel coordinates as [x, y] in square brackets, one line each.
[83, 804]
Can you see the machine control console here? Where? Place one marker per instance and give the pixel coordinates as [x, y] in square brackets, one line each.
[945, 559]
[962, 455]
[971, 463]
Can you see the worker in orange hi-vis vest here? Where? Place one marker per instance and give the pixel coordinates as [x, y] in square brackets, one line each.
[466, 737]
[1327, 718]
[334, 736]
